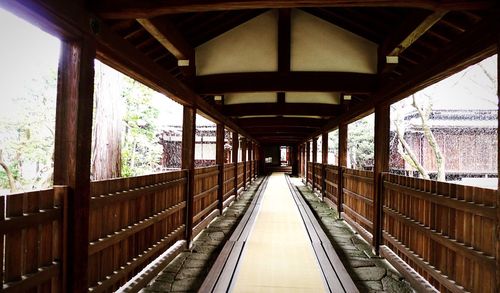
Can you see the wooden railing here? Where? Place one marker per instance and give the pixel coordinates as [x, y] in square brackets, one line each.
[446, 232]
[228, 189]
[31, 226]
[358, 199]
[205, 197]
[332, 186]
[132, 221]
[240, 175]
[318, 171]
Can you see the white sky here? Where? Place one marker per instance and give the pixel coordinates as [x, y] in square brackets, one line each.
[26, 54]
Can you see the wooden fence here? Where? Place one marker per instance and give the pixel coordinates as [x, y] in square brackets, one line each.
[332, 186]
[358, 199]
[132, 221]
[443, 231]
[446, 232]
[31, 226]
[205, 197]
[240, 175]
[228, 190]
[318, 173]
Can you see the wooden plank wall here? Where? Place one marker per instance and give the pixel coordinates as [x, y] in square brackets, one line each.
[240, 175]
[318, 171]
[31, 226]
[132, 221]
[358, 198]
[205, 193]
[445, 231]
[309, 173]
[228, 180]
[332, 187]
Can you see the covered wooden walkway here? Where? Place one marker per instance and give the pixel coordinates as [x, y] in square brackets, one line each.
[279, 247]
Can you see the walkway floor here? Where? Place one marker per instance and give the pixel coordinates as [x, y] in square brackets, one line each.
[188, 270]
[278, 255]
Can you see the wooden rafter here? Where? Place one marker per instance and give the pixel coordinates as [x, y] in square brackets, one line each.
[166, 33]
[151, 8]
[284, 37]
[293, 81]
[306, 109]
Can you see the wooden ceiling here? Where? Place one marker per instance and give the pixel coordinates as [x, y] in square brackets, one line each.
[432, 39]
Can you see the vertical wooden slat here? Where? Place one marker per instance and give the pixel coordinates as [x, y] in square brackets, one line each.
[243, 144]
[308, 158]
[32, 244]
[381, 164]
[2, 237]
[219, 160]
[72, 155]
[188, 137]
[342, 163]
[497, 224]
[14, 242]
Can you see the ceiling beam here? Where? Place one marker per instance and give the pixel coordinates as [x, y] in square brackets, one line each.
[284, 39]
[168, 35]
[306, 109]
[293, 129]
[298, 81]
[312, 123]
[150, 8]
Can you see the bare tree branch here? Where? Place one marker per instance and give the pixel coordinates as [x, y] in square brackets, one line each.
[12, 182]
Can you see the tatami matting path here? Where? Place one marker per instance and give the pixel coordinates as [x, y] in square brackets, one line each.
[278, 255]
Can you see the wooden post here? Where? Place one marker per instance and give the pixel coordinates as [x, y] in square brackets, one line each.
[308, 158]
[324, 162]
[244, 160]
[294, 157]
[342, 164]
[73, 139]
[382, 129]
[188, 137]
[497, 239]
[235, 162]
[314, 159]
[219, 160]
[250, 147]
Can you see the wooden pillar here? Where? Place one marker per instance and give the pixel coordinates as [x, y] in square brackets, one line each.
[219, 160]
[294, 157]
[235, 162]
[244, 160]
[324, 162]
[497, 239]
[342, 164]
[250, 167]
[73, 139]
[381, 164]
[188, 136]
[314, 158]
[308, 158]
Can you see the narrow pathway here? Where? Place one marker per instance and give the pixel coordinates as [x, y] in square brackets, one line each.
[278, 255]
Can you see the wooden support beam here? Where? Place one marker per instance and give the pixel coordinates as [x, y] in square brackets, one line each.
[381, 164]
[314, 158]
[306, 109]
[310, 123]
[249, 158]
[236, 142]
[149, 8]
[308, 158]
[188, 143]
[497, 238]
[324, 162]
[342, 163]
[72, 152]
[284, 38]
[171, 39]
[298, 81]
[243, 144]
[219, 160]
